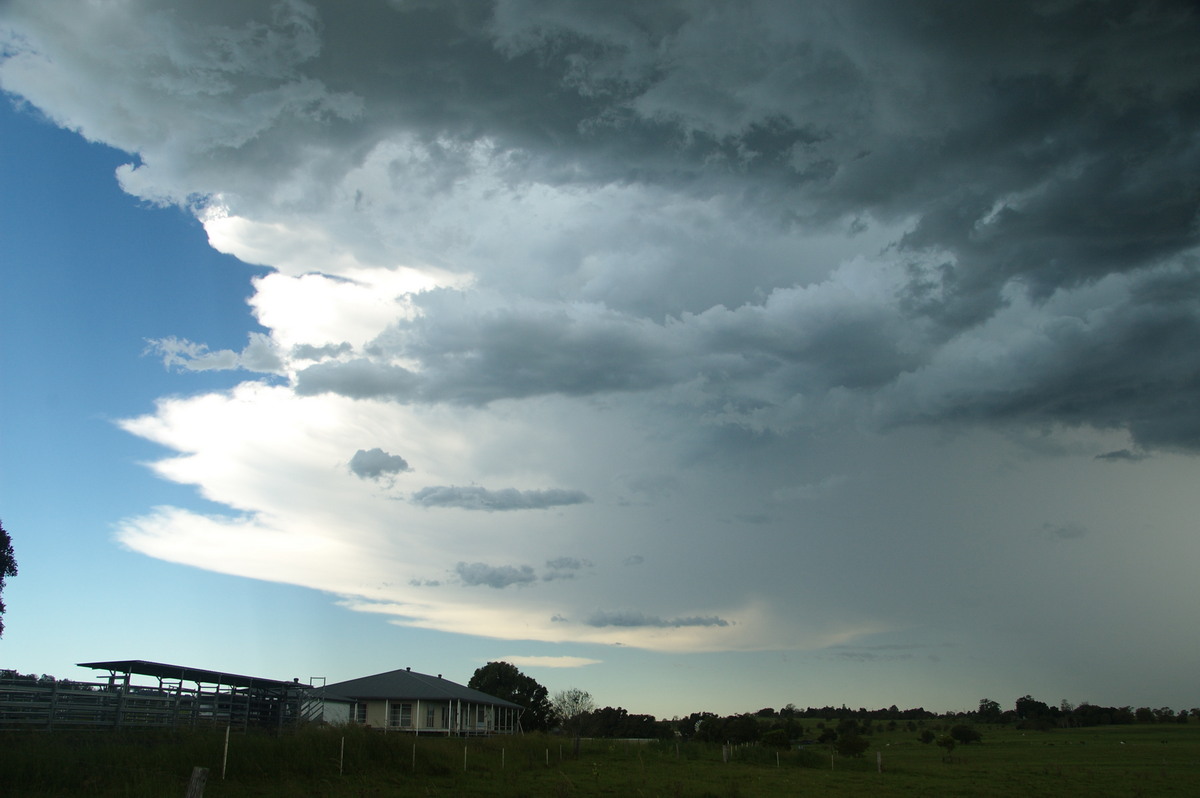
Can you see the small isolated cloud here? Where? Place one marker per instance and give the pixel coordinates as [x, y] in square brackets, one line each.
[1121, 455]
[1064, 531]
[634, 619]
[259, 355]
[870, 653]
[475, 498]
[808, 491]
[497, 576]
[550, 662]
[375, 463]
[568, 564]
[564, 568]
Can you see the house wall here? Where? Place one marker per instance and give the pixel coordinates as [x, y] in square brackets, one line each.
[336, 712]
[448, 717]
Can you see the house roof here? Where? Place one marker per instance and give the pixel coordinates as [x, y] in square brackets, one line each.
[408, 684]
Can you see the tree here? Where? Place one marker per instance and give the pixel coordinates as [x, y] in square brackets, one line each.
[989, 711]
[965, 734]
[503, 680]
[569, 707]
[8, 567]
[851, 745]
[947, 742]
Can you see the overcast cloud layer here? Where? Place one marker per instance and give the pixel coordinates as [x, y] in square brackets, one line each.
[685, 326]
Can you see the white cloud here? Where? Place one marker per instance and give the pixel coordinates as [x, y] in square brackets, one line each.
[523, 661]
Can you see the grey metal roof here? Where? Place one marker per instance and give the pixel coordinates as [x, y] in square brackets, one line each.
[406, 684]
[162, 670]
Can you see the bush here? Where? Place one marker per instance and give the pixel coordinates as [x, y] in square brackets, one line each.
[775, 738]
[852, 745]
[965, 734]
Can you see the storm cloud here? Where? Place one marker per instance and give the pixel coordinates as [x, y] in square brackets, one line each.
[818, 308]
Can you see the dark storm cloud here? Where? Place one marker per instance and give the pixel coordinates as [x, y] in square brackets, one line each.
[478, 574]
[1030, 149]
[375, 463]
[1134, 364]
[633, 619]
[476, 498]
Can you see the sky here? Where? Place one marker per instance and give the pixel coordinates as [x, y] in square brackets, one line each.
[704, 356]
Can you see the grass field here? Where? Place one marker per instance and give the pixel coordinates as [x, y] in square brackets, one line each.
[1151, 760]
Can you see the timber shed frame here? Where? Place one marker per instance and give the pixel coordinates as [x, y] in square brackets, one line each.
[187, 696]
[167, 696]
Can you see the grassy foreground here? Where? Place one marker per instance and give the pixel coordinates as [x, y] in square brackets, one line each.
[1153, 760]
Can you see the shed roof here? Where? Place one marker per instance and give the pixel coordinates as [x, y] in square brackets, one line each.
[161, 670]
[408, 684]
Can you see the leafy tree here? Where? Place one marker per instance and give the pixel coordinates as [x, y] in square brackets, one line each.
[775, 738]
[947, 742]
[926, 736]
[617, 722]
[8, 567]
[851, 745]
[965, 734]
[503, 680]
[989, 711]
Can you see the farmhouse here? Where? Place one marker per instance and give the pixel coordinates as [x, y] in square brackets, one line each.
[403, 700]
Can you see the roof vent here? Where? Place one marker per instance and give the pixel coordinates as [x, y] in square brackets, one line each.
[439, 675]
[408, 669]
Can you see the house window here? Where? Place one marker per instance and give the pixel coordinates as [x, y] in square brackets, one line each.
[401, 715]
[360, 713]
[446, 716]
[480, 715]
[429, 717]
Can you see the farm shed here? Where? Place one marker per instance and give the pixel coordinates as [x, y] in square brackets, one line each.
[403, 700]
[185, 696]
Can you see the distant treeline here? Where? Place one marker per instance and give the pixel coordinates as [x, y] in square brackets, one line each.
[45, 680]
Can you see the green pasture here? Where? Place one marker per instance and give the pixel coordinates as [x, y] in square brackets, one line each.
[1143, 760]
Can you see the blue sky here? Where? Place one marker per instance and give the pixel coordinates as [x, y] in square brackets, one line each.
[702, 360]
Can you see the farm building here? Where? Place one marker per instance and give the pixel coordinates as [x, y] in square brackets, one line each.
[138, 693]
[403, 700]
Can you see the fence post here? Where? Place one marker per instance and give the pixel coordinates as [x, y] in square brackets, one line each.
[196, 785]
[225, 756]
[53, 706]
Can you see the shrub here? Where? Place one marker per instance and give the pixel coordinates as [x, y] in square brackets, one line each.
[851, 745]
[965, 734]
